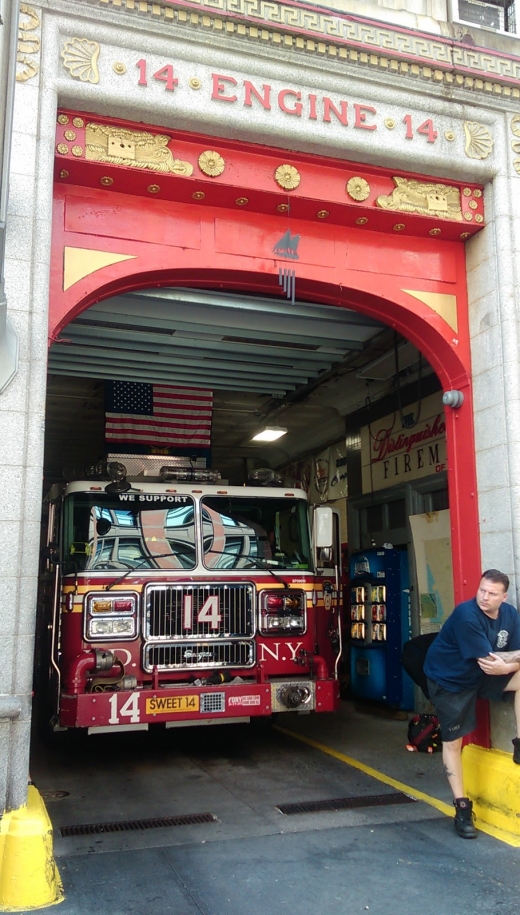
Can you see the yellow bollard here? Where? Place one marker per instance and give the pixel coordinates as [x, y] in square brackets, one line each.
[492, 781]
[29, 877]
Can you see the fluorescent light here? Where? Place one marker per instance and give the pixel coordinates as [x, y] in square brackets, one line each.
[269, 434]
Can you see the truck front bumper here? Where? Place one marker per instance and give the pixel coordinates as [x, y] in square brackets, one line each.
[132, 708]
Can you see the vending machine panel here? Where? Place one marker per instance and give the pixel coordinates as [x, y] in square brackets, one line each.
[380, 625]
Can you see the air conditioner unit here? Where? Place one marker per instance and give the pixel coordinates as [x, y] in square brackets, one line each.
[488, 15]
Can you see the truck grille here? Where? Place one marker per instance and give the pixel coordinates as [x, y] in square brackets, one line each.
[199, 655]
[199, 626]
[169, 607]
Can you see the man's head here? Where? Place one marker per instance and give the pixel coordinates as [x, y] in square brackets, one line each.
[492, 592]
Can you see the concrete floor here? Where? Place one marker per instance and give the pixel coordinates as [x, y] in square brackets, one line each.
[394, 860]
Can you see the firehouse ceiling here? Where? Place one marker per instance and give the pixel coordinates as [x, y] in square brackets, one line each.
[302, 365]
[183, 336]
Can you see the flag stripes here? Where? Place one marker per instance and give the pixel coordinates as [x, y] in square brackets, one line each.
[160, 415]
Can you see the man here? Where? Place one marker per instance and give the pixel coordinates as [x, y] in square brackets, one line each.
[465, 662]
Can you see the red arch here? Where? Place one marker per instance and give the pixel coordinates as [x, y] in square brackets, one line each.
[417, 327]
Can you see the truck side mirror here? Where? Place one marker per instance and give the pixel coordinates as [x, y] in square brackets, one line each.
[324, 527]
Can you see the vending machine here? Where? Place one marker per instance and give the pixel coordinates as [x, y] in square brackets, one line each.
[380, 624]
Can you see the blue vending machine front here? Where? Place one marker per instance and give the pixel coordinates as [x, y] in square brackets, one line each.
[380, 625]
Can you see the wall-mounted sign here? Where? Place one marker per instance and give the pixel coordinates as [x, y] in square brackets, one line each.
[403, 447]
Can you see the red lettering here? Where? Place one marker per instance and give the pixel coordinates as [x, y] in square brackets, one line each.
[297, 110]
[329, 106]
[263, 99]
[165, 75]
[384, 443]
[361, 112]
[219, 87]
[312, 111]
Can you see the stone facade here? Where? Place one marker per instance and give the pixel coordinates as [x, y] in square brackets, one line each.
[82, 55]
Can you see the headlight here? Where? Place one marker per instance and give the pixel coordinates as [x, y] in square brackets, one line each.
[111, 616]
[282, 611]
[117, 627]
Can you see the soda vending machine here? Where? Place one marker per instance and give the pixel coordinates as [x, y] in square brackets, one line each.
[380, 625]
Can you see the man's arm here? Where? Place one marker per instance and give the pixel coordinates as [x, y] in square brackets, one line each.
[497, 663]
[508, 655]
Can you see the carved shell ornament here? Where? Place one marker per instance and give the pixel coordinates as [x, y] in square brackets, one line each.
[211, 163]
[479, 142]
[134, 148]
[358, 188]
[80, 57]
[287, 176]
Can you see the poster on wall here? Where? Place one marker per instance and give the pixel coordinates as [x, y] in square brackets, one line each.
[432, 547]
[328, 477]
[405, 445]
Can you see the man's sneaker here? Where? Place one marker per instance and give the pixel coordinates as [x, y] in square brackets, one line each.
[516, 750]
[463, 821]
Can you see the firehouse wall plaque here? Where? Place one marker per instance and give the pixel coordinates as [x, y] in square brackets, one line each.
[134, 148]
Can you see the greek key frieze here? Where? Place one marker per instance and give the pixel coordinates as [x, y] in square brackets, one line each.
[421, 50]
[333, 27]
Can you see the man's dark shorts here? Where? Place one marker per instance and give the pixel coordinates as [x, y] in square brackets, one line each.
[457, 712]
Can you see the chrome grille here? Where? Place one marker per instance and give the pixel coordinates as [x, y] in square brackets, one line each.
[165, 614]
[199, 655]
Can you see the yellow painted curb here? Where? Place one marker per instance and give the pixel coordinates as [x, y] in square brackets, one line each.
[491, 829]
[29, 877]
[492, 781]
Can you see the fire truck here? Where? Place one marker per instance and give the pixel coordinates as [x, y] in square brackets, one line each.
[171, 598]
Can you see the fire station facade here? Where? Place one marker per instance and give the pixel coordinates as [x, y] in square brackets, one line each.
[165, 141]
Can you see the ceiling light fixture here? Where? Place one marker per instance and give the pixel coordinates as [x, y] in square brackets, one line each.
[269, 434]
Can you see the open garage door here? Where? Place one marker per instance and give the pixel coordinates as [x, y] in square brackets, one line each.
[268, 361]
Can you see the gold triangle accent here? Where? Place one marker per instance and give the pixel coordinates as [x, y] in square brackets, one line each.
[80, 262]
[444, 305]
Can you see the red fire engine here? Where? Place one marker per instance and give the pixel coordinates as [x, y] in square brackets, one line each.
[176, 599]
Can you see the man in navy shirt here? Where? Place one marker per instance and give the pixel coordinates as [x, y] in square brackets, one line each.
[475, 655]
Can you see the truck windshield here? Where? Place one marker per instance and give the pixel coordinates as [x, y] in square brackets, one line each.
[254, 533]
[105, 532]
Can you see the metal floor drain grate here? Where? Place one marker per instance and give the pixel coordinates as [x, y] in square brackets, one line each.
[91, 829]
[346, 803]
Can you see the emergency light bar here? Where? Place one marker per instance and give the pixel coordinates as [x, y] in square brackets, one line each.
[189, 474]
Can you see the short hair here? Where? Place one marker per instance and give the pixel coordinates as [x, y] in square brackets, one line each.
[498, 577]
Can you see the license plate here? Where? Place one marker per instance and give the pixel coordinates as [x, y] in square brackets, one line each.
[165, 705]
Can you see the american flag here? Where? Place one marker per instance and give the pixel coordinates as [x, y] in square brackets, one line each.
[158, 415]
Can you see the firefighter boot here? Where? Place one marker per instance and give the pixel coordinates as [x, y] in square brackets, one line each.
[463, 821]
[516, 750]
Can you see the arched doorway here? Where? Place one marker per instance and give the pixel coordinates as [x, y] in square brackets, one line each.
[107, 245]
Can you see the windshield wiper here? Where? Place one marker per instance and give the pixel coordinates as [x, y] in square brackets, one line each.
[139, 566]
[263, 563]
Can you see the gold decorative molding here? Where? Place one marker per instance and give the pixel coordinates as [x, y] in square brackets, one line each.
[326, 34]
[427, 199]
[28, 44]
[445, 305]
[211, 163]
[358, 188]
[81, 262]
[287, 177]
[134, 148]
[80, 58]
[479, 142]
[515, 144]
